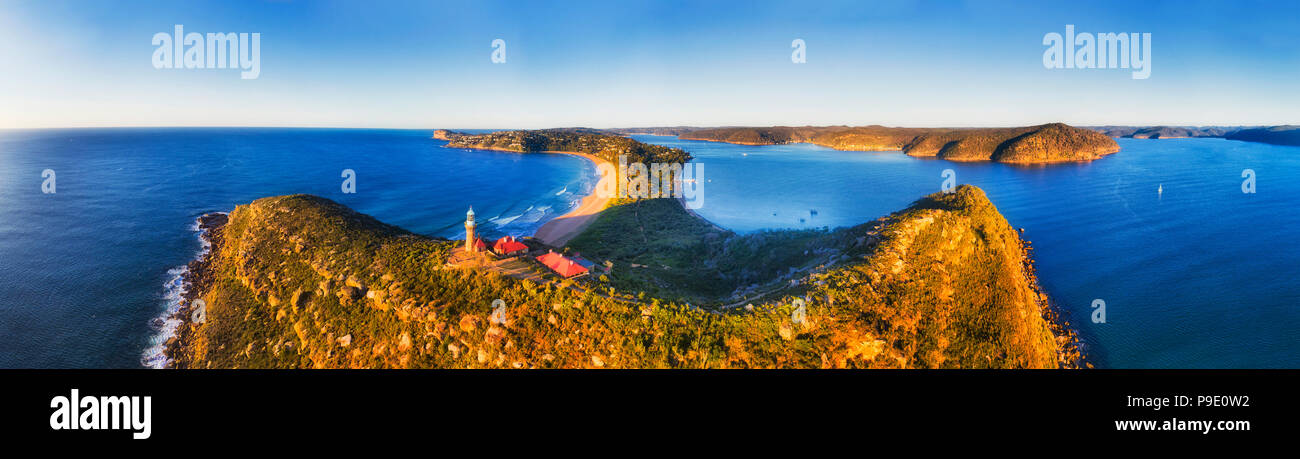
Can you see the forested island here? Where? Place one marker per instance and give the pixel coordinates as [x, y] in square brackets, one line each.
[303, 282]
[1046, 143]
[602, 144]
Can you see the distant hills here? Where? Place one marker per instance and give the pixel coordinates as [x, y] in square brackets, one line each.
[670, 130]
[1276, 135]
[1161, 132]
[1054, 142]
[1047, 143]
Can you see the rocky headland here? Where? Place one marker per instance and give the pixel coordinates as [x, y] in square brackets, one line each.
[302, 282]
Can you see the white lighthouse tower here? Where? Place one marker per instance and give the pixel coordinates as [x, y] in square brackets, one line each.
[469, 230]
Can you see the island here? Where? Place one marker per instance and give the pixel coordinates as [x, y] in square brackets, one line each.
[1047, 143]
[595, 142]
[300, 281]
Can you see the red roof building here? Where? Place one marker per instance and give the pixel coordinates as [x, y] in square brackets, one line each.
[479, 245]
[562, 265]
[508, 246]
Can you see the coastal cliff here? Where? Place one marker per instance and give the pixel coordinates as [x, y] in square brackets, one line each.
[1046, 143]
[302, 282]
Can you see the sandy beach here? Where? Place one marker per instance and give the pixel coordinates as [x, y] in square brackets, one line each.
[559, 230]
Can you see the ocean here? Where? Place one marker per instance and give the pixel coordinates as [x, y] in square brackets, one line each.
[1194, 273]
[91, 268]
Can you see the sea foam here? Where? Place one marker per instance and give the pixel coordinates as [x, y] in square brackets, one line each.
[173, 297]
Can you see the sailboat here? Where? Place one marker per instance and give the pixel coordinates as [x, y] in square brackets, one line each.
[1160, 190]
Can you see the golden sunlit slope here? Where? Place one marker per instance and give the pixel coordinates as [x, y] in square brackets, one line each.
[1046, 143]
[302, 282]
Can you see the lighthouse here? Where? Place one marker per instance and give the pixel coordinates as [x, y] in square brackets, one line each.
[469, 230]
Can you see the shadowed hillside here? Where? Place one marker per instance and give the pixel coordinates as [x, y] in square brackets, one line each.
[1276, 135]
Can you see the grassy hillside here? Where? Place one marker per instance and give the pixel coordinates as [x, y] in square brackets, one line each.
[948, 282]
[947, 272]
[302, 282]
[660, 249]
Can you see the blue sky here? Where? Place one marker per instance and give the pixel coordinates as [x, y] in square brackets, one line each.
[628, 63]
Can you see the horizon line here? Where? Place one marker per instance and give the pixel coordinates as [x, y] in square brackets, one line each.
[653, 126]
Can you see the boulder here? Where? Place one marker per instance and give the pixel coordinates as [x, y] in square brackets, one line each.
[468, 323]
[404, 342]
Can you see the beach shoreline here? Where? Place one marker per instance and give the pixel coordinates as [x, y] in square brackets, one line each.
[561, 229]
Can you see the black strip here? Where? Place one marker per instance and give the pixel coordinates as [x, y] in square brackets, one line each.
[243, 407]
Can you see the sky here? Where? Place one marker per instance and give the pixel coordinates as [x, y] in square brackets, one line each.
[398, 64]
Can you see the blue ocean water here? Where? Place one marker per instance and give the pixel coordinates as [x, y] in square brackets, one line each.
[88, 269]
[1194, 273]
[1199, 275]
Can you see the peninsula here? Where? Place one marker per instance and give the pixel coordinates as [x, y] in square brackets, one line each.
[595, 142]
[594, 145]
[303, 282]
